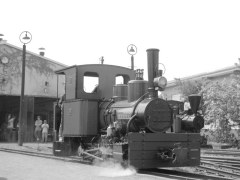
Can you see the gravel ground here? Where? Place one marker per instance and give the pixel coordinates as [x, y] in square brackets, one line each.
[22, 167]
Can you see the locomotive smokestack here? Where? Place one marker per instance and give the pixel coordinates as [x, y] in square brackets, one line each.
[194, 101]
[152, 56]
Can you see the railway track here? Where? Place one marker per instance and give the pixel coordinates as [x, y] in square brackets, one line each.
[221, 152]
[48, 156]
[171, 174]
[179, 175]
[225, 163]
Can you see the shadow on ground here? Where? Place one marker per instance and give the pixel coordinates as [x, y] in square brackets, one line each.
[3, 178]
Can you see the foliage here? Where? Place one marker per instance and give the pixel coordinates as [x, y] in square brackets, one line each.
[189, 87]
[222, 105]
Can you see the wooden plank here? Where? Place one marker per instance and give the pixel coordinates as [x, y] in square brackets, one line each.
[144, 155]
[157, 145]
[194, 152]
[137, 155]
[194, 137]
[164, 137]
[150, 145]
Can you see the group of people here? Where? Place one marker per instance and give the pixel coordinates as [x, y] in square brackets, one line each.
[41, 129]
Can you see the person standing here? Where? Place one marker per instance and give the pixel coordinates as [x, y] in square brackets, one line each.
[38, 128]
[10, 127]
[187, 107]
[45, 128]
[58, 118]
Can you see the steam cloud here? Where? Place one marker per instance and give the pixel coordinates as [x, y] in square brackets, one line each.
[111, 169]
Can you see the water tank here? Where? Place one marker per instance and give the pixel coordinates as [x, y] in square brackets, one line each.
[120, 92]
[136, 88]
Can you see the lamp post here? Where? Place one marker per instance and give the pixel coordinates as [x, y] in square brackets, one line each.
[132, 50]
[25, 38]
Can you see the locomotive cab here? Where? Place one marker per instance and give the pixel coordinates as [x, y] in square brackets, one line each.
[80, 112]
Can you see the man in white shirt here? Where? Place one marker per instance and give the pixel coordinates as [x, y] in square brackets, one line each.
[38, 124]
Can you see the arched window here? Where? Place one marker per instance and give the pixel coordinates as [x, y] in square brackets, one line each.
[90, 82]
[121, 79]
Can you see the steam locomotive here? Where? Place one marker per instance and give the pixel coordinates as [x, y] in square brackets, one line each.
[126, 122]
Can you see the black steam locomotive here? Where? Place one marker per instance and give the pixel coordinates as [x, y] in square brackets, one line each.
[126, 122]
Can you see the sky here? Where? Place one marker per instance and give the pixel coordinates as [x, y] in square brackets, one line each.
[193, 36]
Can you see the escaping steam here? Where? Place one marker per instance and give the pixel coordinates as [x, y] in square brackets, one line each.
[113, 169]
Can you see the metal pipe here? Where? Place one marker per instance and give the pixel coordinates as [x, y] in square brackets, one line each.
[132, 62]
[130, 121]
[91, 155]
[57, 87]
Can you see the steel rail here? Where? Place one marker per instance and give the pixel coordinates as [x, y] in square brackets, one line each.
[179, 175]
[219, 172]
[48, 156]
[227, 165]
[235, 159]
[232, 163]
[168, 175]
[232, 153]
[224, 150]
[220, 165]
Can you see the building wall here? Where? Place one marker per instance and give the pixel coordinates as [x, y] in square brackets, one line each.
[40, 79]
[172, 93]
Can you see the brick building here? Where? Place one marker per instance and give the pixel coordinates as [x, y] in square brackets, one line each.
[42, 88]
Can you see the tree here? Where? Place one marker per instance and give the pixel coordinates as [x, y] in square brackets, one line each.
[189, 87]
[222, 105]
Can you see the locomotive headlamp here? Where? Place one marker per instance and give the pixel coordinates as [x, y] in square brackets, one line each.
[160, 82]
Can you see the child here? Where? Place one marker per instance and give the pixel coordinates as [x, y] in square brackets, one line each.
[45, 128]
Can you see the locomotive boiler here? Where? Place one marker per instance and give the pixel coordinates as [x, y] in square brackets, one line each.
[126, 122]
